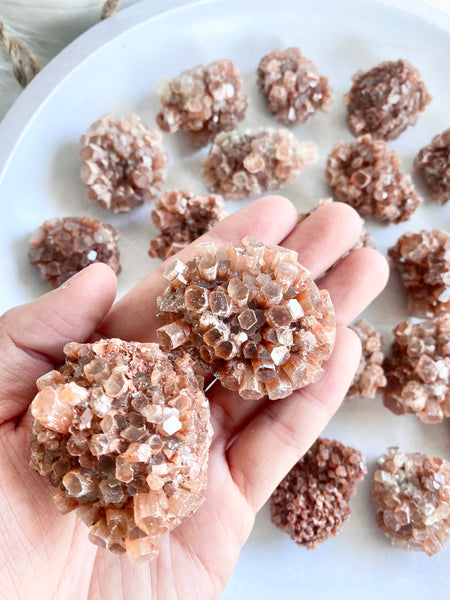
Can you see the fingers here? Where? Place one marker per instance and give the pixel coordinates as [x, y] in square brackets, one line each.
[32, 336]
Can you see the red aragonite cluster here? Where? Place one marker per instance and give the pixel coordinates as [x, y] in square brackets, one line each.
[123, 431]
[251, 314]
[433, 163]
[369, 378]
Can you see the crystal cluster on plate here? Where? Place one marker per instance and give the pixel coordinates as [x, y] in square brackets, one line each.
[369, 378]
[433, 163]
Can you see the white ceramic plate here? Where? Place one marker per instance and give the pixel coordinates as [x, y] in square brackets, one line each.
[113, 68]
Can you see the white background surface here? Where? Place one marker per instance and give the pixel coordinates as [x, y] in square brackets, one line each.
[113, 68]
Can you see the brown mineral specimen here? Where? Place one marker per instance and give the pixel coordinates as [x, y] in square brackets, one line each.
[311, 502]
[124, 163]
[411, 494]
[251, 315]
[202, 101]
[369, 378]
[183, 217]
[292, 86]
[418, 370]
[423, 261]
[62, 247]
[433, 162]
[123, 432]
[365, 174]
[241, 165]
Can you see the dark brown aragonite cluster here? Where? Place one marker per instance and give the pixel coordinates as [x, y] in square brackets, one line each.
[418, 370]
[202, 101]
[293, 88]
[251, 315]
[423, 261]
[433, 163]
[369, 378]
[123, 432]
[124, 163]
[312, 502]
[411, 495]
[249, 163]
[386, 100]
[62, 247]
[182, 217]
[365, 174]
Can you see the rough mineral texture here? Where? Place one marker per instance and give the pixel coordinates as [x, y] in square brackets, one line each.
[433, 163]
[418, 370]
[423, 261]
[369, 378]
[62, 247]
[250, 314]
[123, 432]
[386, 100]
[292, 86]
[247, 164]
[202, 101]
[311, 502]
[365, 174]
[182, 217]
[124, 163]
[411, 494]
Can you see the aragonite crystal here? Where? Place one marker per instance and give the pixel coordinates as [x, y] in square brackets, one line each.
[386, 100]
[369, 378]
[418, 370]
[124, 163]
[123, 432]
[62, 247]
[433, 163]
[411, 495]
[249, 163]
[182, 217]
[202, 101]
[292, 86]
[365, 174]
[423, 261]
[312, 502]
[251, 315]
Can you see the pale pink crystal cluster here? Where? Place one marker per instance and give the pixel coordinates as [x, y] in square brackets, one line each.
[61, 247]
[433, 163]
[123, 431]
[411, 494]
[386, 100]
[202, 101]
[369, 378]
[365, 174]
[312, 502]
[418, 370]
[251, 315]
[250, 163]
[423, 261]
[182, 217]
[292, 86]
[124, 163]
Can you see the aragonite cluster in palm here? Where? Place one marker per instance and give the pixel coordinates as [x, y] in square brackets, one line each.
[250, 314]
[123, 432]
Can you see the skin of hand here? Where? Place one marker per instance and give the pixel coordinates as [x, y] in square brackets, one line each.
[44, 555]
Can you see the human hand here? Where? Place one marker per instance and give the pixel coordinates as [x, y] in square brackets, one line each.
[47, 556]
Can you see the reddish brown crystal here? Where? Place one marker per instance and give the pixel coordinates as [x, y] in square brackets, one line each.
[386, 100]
[62, 247]
[411, 494]
[292, 86]
[418, 370]
[365, 174]
[123, 431]
[124, 163]
[423, 261]
[433, 163]
[183, 217]
[250, 314]
[369, 378]
[312, 501]
[202, 101]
